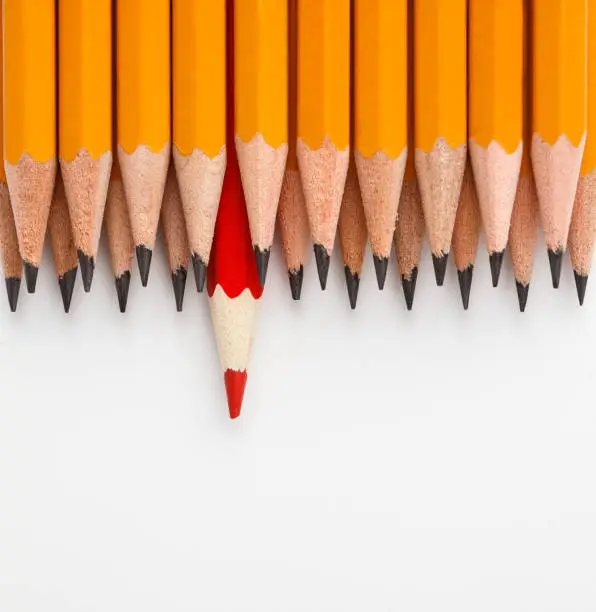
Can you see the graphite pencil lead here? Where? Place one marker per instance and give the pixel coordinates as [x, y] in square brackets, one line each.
[440, 265]
[30, 276]
[144, 260]
[13, 286]
[352, 284]
[87, 268]
[381, 264]
[408, 286]
[522, 295]
[296, 277]
[235, 382]
[262, 257]
[200, 270]
[465, 284]
[67, 283]
[555, 259]
[581, 283]
[122, 284]
[179, 284]
[322, 258]
[496, 262]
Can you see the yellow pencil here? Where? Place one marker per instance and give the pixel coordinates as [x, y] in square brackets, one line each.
[143, 59]
[323, 144]
[381, 138]
[199, 119]
[30, 122]
[559, 116]
[440, 116]
[583, 220]
[495, 138]
[261, 99]
[85, 120]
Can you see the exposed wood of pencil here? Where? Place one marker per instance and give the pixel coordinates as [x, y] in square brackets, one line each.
[233, 282]
[143, 59]
[12, 265]
[199, 119]
[524, 220]
[381, 117]
[495, 114]
[293, 221]
[440, 114]
[583, 221]
[85, 119]
[30, 119]
[466, 230]
[261, 94]
[559, 112]
[323, 116]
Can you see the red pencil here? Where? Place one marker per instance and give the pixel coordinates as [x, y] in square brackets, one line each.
[232, 279]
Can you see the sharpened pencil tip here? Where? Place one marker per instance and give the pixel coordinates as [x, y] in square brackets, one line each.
[262, 258]
[440, 265]
[30, 276]
[322, 258]
[67, 283]
[408, 286]
[555, 259]
[179, 284]
[87, 265]
[381, 264]
[122, 285]
[13, 286]
[581, 282]
[296, 277]
[144, 261]
[465, 284]
[235, 382]
[200, 269]
[496, 263]
[353, 284]
[522, 295]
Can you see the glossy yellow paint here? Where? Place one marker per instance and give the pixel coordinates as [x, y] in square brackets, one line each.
[29, 79]
[199, 71]
[324, 72]
[560, 83]
[589, 159]
[440, 81]
[381, 76]
[143, 74]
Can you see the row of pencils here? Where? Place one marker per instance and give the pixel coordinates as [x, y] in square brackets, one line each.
[381, 121]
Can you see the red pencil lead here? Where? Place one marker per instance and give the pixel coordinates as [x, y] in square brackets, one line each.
[235, 384]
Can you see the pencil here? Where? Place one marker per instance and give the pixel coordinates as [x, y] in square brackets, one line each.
[352, 233]
[381, 67]
[524, 220]
[30, 122]
[440, 91]
[409, 231]
[143, 35]
[85, 120]
[495, 137]
[199, 119]
[583, 220]
[291, 214]
[559, 116]
[12, 265]
[232, 277]
[174, 232]
[120, 240]
[63, 247]
[466, 232]
[323, 146]
[261, 94]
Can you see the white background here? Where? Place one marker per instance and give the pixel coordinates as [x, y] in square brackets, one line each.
[385, 460]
